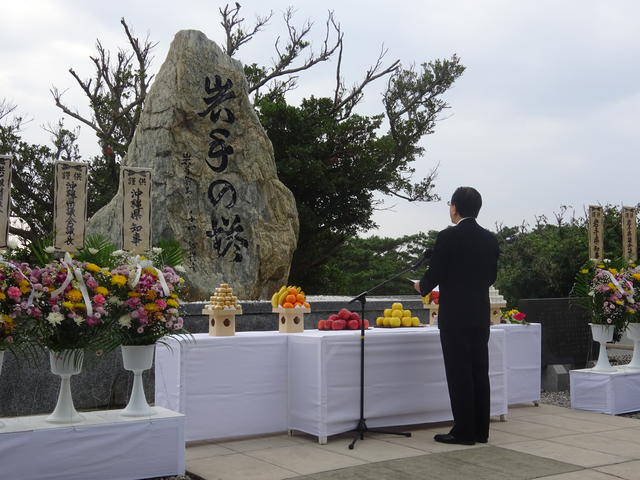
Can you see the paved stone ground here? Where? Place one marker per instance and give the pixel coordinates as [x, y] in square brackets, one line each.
[548, 442]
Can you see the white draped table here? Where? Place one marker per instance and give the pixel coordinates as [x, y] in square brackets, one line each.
[264, 382]
[104, 446]
[404, 379]
[524, 357]
[605, 392]
[225, 386]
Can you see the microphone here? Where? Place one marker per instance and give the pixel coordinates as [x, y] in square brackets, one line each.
[424, 258]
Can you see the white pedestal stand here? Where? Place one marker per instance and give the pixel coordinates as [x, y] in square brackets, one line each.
[137, 358]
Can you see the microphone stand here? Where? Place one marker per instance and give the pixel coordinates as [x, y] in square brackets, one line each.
[362, 428]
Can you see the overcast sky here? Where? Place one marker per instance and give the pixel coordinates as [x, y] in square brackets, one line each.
[545, 115]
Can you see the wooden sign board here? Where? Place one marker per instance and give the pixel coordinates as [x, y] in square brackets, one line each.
[136, 209]
[5, 198]
[70, 205]
[629, 234]
[596, 230]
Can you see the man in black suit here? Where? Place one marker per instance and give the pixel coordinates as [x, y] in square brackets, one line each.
[464, 265]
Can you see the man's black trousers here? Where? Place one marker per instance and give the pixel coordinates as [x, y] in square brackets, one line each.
[466, 361]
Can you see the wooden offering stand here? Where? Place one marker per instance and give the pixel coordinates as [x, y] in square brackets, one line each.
[291, 320]
[497, 304]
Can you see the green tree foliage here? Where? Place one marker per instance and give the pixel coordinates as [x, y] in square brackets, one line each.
[362, 263]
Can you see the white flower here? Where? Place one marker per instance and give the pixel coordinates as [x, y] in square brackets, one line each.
[49, 249]
[125, 321]
[93, 251]
[156, 250]
[55, 318]
[180, 268]
[118, 253]
[113, 300]
[78, 319]
[12, 243]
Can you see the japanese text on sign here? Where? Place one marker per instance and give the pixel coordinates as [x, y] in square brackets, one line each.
[136, 206]
[70, 206]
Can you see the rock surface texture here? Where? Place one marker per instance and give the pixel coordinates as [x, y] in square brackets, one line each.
[215, 186]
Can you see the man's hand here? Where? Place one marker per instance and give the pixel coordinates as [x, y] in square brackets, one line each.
[416, 285]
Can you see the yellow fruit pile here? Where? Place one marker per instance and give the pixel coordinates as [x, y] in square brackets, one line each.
[289, 297]
[223, 298]
[396, 316]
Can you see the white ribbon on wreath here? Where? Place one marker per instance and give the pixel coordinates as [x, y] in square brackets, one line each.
[71, 273]
[140, 265]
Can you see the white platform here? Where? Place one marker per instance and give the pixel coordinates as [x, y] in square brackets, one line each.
[104, 446]
[613, 393]
[524, 358]
[226, 386]
[404, 378]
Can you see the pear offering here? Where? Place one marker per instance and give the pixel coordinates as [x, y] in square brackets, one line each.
[396, 317]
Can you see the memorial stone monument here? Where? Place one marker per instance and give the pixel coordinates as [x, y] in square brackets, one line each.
[214, 183]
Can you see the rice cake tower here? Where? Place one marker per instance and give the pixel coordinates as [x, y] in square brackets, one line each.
[291, 320]
[222, 310]
[497, 302]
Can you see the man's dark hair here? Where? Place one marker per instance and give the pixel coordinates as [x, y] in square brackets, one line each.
[467, 201]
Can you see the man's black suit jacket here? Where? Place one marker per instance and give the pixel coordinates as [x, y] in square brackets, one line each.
[464, 265]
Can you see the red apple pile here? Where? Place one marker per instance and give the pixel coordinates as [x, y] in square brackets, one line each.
[343, 320]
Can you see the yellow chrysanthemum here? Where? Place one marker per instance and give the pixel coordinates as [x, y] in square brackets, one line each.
[584, 270]
[25, 289]
[151, 295]
[93, 268]
[133, 294]
[2, 296]
[619, 302]
[172, 303]
[74, 295]
[67, 305]
[79, 306]
[102, 291]
[613, 270]
[611, 286]
[151, 271]
[151, 307]
[173, 295]
[636, 276]
[23, 283]
[600, 266]
[119, 280]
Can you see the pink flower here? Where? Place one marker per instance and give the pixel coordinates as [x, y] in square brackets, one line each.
[99, 299]
[133, 302]
[92, 284]
[161, 304]
[519, 316]
[92, 321]
[14, 293]
[140, 330]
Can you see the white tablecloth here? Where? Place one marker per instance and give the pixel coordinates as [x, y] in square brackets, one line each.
[404, 379]
[226, 386]
[613, 393]
[524, 357]
[105, 446]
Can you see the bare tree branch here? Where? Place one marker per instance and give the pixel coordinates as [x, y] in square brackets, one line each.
[232, 24]
[345, 105]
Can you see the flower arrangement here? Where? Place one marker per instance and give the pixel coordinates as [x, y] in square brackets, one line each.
[17, 294]
[75, 314]
[607, 291]
[514, 316]
[145, 299]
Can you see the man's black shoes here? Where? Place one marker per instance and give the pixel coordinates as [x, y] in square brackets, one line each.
[448, 438]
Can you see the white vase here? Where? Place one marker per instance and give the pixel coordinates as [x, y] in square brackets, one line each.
[137, 358]
[602, 334]
[65, 364]
[633, 332]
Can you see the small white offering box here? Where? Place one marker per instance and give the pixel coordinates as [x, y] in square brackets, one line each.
[291, 320]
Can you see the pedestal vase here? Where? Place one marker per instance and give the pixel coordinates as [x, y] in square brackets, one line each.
[602, 334]
[137, 359]
[65, 364]
[633, 332]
